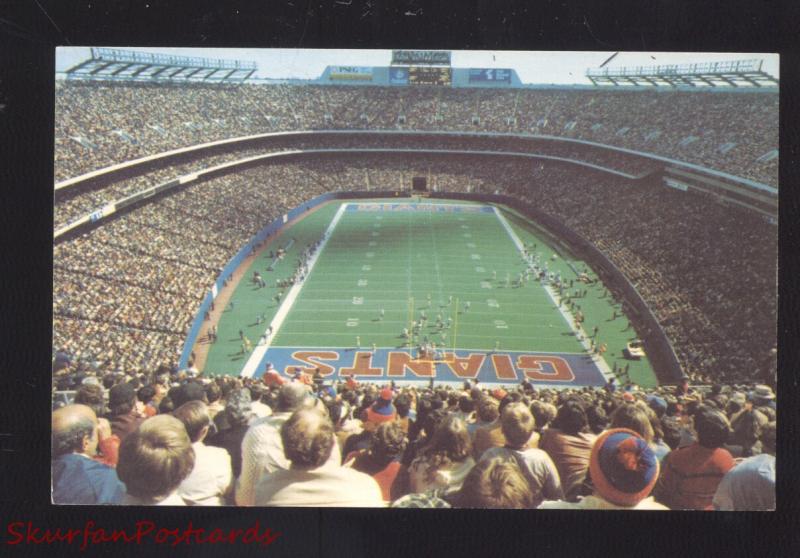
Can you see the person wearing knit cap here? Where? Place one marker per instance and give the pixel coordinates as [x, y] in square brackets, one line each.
[382, 410]
[624, 471]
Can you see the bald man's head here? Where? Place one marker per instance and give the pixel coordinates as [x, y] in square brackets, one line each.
[308, 439]
[74, 430]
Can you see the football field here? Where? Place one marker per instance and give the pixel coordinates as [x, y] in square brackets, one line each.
[389, 276]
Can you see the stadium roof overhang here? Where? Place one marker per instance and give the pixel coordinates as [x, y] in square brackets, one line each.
[108, 64]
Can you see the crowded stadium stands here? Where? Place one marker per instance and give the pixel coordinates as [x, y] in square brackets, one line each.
[126, 292]
[101, 124]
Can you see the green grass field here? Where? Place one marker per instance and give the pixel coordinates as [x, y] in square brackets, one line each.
[406, 262]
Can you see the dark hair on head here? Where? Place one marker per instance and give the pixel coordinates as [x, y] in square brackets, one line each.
[350, 397]
[544, 413]
[732, 407]
[517, 424]
[402, 404]
[432, 420]
[512, 397]
[92, 396]
[465, 404]
[155, 458]
[450, 443]
[213, 392]
[366, 402]
[495, 483]
[597, 419]
[487, 409]
[166, 406]
[335, 410]
[452, 399]
[135, 383]
[712, 427]
[424, 406]
[308, 438]
[633, 417]
[225, 388]
[571, 419]
[146, 393]
[108, 381]
[388, 441]
[70, 439]
[671, 429]
[122, 408]
[194, 416]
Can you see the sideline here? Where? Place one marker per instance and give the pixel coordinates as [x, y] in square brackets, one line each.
[581, 335]
[260, 349]
[201, 344]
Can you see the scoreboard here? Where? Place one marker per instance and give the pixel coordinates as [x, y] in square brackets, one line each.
[419, 75]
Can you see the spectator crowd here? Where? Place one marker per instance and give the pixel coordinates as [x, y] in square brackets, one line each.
[170, 437]
[138, 431]
[126, 292]
[99, 124]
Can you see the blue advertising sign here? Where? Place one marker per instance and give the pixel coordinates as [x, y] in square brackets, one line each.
[490, 75]
[398, 76]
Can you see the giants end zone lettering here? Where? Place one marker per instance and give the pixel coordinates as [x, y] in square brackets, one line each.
[362, 366]
[503, 367]
[545, 368]
[310, 358]
[466, 368]
[398, 362]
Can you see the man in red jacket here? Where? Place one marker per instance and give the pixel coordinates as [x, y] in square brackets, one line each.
[690, 475]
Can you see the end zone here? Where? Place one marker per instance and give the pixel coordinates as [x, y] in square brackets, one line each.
[387, 364]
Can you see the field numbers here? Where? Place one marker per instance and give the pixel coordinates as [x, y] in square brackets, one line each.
[375, 233]
[492, 303]
[470, 245]
[480, 269]
[486, 285]
[500, 324]
[358, 300]
[372, 243]
[351, 322]
[467, 235]
[362, 282]
[475, 256]
[370, 254]
[366, 268]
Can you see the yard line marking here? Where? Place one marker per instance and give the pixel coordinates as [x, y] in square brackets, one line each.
[583, 337]
[260, 350]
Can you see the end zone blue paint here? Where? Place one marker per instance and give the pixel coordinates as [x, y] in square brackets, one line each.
[433, 208]
[487, 367]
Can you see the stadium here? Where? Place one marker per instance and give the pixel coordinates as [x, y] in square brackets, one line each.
[420, 249]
